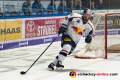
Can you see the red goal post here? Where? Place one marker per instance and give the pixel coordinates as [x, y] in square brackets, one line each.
[106, 15]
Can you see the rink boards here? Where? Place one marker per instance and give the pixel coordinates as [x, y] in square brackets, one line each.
[21, 32]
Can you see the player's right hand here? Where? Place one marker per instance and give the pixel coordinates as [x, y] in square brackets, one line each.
[62, 30]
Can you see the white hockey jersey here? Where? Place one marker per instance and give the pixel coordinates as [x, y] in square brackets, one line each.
[75, 27]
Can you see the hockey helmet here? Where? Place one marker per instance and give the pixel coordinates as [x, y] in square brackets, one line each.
[88, 11]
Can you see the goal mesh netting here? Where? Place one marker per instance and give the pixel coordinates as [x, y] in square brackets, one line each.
[107, 37]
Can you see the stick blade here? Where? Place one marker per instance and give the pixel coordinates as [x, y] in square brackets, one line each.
[22, 72]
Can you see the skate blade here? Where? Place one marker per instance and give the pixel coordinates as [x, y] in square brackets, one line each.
[59, 68]
[50, 69]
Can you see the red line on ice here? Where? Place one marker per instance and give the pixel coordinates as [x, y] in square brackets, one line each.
[74, 68]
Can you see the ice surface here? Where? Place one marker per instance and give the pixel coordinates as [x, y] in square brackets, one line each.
[13, 61]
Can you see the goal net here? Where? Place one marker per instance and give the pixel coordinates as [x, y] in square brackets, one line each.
[107, 37]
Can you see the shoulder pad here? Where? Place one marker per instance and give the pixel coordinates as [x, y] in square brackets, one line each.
[74, 15]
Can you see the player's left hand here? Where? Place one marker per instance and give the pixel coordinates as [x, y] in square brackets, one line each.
[88, 39]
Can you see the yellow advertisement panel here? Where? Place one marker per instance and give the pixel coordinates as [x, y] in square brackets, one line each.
[10, 30]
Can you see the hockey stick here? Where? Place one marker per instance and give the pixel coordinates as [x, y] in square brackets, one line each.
[23, 72]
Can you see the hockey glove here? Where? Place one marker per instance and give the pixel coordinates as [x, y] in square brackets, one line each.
[90, 32]
[88, 39]
[62, 30]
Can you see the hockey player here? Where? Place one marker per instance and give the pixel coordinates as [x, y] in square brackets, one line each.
[73, 28]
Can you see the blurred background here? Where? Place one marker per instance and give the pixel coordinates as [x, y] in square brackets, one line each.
[54, 7]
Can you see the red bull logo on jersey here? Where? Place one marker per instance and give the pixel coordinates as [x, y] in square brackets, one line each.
[77, 30]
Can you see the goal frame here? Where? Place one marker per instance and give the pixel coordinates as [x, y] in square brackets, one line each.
[106, 15]
[105, 57]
